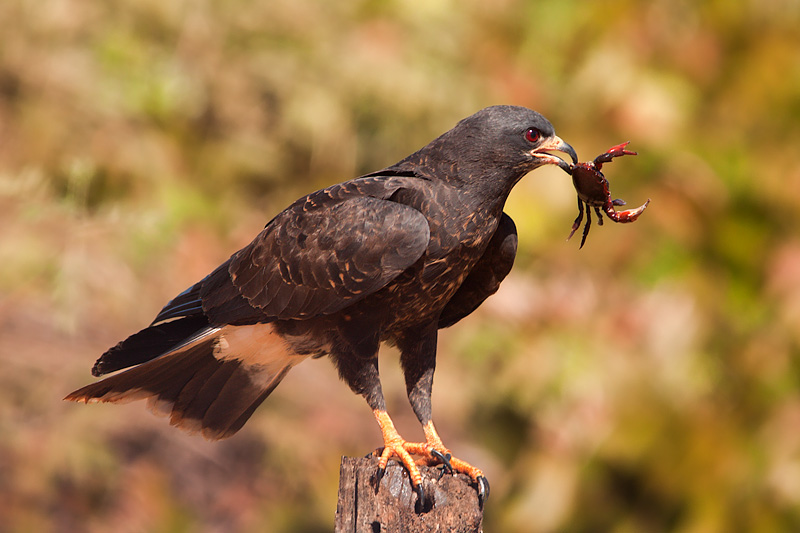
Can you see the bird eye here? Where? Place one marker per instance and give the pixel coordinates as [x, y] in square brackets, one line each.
[532, 135]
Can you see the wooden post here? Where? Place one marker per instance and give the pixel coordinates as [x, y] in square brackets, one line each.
[451, 502]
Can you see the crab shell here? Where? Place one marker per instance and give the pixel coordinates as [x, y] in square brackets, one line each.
[592, 188]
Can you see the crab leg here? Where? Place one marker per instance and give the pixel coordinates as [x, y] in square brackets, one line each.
[577, 223]
[586, 227]
[614, 151]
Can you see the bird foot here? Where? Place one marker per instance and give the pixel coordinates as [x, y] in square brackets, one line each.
[454, 465]
[403, 450]
[429, 453]
[428, 456]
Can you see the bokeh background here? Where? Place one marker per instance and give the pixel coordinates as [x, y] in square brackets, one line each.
[648, 382]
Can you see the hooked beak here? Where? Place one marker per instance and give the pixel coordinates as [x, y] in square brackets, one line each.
[555, 143]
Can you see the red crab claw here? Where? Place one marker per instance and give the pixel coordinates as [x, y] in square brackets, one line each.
[623, 216]
[615, 151]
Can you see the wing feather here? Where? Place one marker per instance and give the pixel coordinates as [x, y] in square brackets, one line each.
[325, 252]
[349, 249]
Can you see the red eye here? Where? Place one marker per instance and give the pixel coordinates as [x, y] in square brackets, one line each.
[532, 135]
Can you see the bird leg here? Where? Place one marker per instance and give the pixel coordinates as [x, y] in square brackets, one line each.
[431, 452]
[418, 359]
[395, 445]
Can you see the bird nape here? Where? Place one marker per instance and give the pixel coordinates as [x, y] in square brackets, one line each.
[394, 256]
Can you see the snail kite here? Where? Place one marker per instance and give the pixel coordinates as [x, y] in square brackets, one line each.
[392, 256]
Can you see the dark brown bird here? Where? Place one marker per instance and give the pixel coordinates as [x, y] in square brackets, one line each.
[392, 256]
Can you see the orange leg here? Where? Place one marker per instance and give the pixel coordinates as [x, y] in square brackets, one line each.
[394, 444]
[431, 452]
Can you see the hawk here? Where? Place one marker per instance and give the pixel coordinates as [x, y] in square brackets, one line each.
[392, 256]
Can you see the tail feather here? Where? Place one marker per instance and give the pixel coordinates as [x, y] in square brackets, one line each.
[211, 386]
[245, 415]
[149, 343]
[236, 401]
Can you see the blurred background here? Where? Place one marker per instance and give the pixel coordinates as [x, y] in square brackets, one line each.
[648, 382]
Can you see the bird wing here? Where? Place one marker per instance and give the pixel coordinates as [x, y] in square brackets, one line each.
[485, 277]
[323, 253]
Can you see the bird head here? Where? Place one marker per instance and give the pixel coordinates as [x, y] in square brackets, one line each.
[511, 137]
[491, 150]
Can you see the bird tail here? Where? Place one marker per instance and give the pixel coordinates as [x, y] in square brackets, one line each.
[210, 384]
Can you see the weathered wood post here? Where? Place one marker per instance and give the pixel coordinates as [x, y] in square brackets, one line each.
[451, 502]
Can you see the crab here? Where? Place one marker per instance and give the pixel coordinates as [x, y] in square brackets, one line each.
[592, 188]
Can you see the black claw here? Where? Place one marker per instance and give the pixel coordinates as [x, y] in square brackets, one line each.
[444, 459]
[374, 453]
[379, 475]
[420, 504]
[483, 490]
